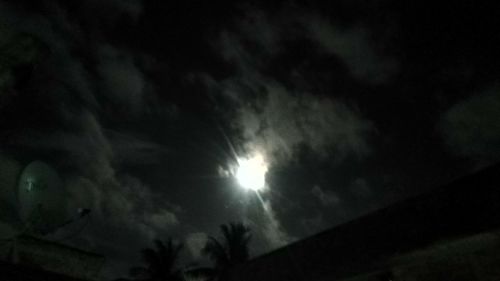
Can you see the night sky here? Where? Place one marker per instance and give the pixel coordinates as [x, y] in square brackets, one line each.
[144, 106]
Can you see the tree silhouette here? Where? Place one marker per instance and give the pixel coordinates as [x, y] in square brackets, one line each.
[160, 263]
[225, 253]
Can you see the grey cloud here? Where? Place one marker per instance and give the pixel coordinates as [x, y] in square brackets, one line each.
[122, 207]
[268, 232]
[276, 120]
[255, 30]
[131, 150]
[258, 36]
[125, 201]
[59, 36]
[130, 7]
[354, 46]
[120, 204]
[314, 224]
[326, 197]
[16, 49]
[361, 188]
[233, 51]
[162, 219]
[471, 127]
[273, 231]
[283, 121]
[195, 243]
[122, 81]
[87, 149]
[76, 84]
[118, 75]
[265, 31]
[120, 199]
[105, 14]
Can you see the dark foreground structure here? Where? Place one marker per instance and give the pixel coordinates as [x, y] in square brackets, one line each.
[27, 258]
[451, 233]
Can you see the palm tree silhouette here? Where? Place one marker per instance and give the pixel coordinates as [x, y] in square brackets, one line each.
[160, 263]
[225, 253]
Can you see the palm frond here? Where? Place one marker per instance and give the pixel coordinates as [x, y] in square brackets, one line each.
[237, 237]
[159, 262]
[231, 249]
[216, 252]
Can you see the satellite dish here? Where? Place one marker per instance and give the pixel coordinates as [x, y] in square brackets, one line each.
[41, 198]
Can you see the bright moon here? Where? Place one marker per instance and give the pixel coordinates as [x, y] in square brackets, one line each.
[251, 172]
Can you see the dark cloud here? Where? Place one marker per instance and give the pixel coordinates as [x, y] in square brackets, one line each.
[143, 107]
[117, 201]
[80, 82]
[314, 224]
[354, 46]
[279, 119]
[9, 169]
[123, 82]
[326, 198]
[259, 37]
[471, 127]
[361, 188]
[284, 112]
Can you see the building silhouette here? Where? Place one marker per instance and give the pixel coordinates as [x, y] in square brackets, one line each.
[25, 256]
[450, 233]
